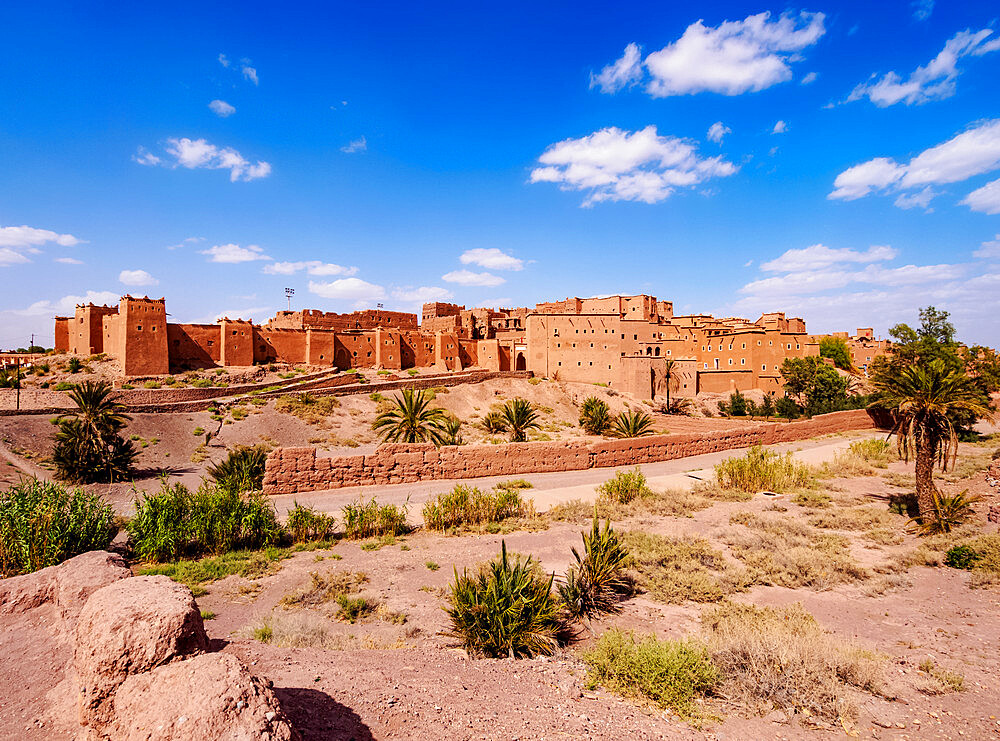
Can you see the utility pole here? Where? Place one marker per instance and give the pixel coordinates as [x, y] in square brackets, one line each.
[17, 380]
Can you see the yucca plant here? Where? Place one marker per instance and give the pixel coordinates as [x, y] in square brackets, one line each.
[632, 424]
[505, 609]
[595, 416]
[520, 416]
[947, 511]
[595, 582]
[410, 419]
[494, 423]
[9, 379]
[242, 469]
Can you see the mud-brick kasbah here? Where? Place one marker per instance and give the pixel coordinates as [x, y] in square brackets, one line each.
[624, 342]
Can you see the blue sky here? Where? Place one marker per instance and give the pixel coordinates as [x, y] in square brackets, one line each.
[839, 161]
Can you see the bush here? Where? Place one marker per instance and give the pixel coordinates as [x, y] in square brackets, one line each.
[74, 365]
[948, 512]
[307, 407]
[242, 470]
[595, 416]
[43, 524]
[632, 424]
[63, 386]
[736, 407]
[595, 582]
[961, 557]
[174, 522]
[466, 505]
[494, 423]
[369, 519]
[674, 570]
[305, 524]
[762, 469]
[670, 673]
[624, 487]
[89, 445]
[505, 609]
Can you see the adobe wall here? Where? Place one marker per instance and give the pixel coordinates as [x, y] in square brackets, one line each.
[142, 329]
[279, 345]
[416, 350]
[61, 343]
[193, 346]
[237, 343]
[294, 470]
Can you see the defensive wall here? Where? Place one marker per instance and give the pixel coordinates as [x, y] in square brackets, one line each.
[294, 470]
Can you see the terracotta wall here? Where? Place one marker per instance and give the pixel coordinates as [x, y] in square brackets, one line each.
[293, 470]
[193, 346]
[284, 345]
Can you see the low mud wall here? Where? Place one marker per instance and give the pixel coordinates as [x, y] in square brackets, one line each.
[293, 470]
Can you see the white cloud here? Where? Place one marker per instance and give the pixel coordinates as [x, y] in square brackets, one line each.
[920, 199]
[616, 165]
[67, 261]
[717, 131]
[233, 253]
[989, 250]
[820, 256]
[922, 9]
[244, 314]
[184, 243]
[973, 152]
[624, 72]
[780, 127]
[11, 257]
[250, 73]
[199, 153]
[933, 81]
[358, 145]
[469, 278]
[421, 295]
[312, 267]
[221, 108]
[27, 236]
[223, 60]
[734, 57]
[491, 258]
[67, 304]
[985, 199]
[809, 78]
[137, 278]
[353, 289]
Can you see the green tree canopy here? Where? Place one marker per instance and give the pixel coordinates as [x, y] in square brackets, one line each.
[836, 349]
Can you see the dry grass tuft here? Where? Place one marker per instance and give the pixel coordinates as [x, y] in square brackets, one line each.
[938, 680]
[675, 570]
[670, 503]
[862, 458]
[855, 518]
[298, 630]
[323, 588]
[311, 409]
[761, 469]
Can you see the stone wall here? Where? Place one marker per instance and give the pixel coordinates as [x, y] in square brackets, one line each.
[293, 470]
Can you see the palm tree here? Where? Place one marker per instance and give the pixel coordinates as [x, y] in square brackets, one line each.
[632, 424]
[923, 398]
[88, 444]
[97, 411]
[595, 416]
[520, 417]
[494, 423]
[668, 368]
[452, 431]
[411, 421]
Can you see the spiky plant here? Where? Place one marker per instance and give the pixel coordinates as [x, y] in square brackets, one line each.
[9, 379]
[494, 423]
[89, 446]
[242, 470]
[595, 416]
[595, 582]
[948, 511]
[683, 406]
[632, 424]
[505, 609]
[451, 431]
[520, 416]
[924, 397]
[411, 420]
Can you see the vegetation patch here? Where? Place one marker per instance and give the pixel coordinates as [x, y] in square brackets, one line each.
[323, 588]
[307, 407]
[939, 680]
[763, 470]
[862, 458]
[675, 570]
[466, 506]
[196, 572]
[370, 519]
[595, 583]
[624, 487]
[305, 524]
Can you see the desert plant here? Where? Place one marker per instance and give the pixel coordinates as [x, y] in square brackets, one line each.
[505, 609]
[465, 505]
[494, 423]
[595, 582]
[88, 445]
[10, 379]
[242, 470]
[735, 407]
[305, 524]
[43, 523]
[520, 417]
[762, 469]
[624, 486]
[632, 424]
[595, 416]
[74, 365]
[681, 405]
[411, 420]
[961, 557]
[947, 511]
[353, 609]
[370, 519]
[451, 431]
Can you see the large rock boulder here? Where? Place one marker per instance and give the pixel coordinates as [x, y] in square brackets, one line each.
[211, 696]
[130, 627]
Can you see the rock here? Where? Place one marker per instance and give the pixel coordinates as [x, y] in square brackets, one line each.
[211, 696]
[130, 627]
[994, 513]
[68, 584]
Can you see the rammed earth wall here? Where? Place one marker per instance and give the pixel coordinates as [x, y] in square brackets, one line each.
[293, 470]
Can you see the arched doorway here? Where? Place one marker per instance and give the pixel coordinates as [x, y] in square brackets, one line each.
[343, 360]
[519, 364]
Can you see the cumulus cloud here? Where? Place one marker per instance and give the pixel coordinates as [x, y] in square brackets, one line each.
[491, 258]
[920, 199]
[233, 253]
[779, 128]
[717, 131]
[137, 278]
[421, 295]
[353, 289]
[617, 165]
[221, 108]
[933, 81]
[973, 152]
[622, 73]
[820, 256]
[734, 57]
[17, 242]
[989, 250]
[250, 73]
[67, 304]
[11, 257]
[809, 78]
[358, 145]
[199, 153]
[470, 278]
[985, 199]
[312, 267]
[67, 261]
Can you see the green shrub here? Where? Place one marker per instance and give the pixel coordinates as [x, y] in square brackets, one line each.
[151, 384]
[494, 423]
[305, 524]
[595, 416]
[353, 609]
[594, 584]
[74, 365]
[42, 524]
[196, 572]
[762, 469]
[961, 557]
[505, 609]
[63, 386]
[370, 519]
[89, 446]
[670, 673]
[624, 487]
[466, 505]
[242, 470]
[632, 424]
[949, 511]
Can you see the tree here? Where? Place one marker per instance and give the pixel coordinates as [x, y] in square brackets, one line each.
[520, 417]
[924, 398]
[452, 431]
[836, 349]
[736, 406]
[89, 446]
[595, 416]
[668, 370]
[411, 420]
[816, 386]
[633, 424]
